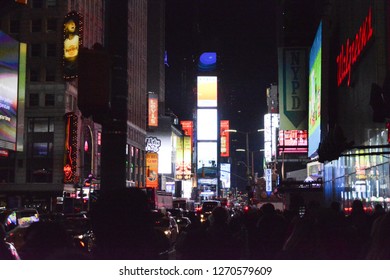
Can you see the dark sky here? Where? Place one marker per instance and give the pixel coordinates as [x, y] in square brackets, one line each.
[242, 32]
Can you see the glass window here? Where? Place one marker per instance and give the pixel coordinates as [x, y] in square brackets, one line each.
[51, 3]
[42, 149]
[34, 99]
[14, 26]
[35, 50]
[50, 75]
[36, 25]
[40, 125]
[34, 75]
[37, 3]
[51, 50]
[51, 25]
[49, 99]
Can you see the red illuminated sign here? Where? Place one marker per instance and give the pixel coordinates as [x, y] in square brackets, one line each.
[352, 49]
[224, 138]
[292, 141]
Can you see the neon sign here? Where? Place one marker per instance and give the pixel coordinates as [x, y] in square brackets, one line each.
[352, 49]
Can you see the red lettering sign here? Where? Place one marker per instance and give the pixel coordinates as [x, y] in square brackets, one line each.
[352, 49]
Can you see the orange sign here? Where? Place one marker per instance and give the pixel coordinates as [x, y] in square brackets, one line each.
[151, 170]
[153, 111]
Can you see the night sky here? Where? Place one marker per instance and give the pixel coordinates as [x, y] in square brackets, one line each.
[242, 32]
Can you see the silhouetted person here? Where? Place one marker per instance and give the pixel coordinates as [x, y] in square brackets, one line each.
[271, 233]
[121, 221]
[379, 248]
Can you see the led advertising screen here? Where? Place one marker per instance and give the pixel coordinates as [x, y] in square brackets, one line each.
[207, 154]
[225, 175]
[72, 41]
[292, 141]
[151, 170]
[9, 68]
[207, 91]
[225, 138]
[207, 124]
[271, 124]
[315, 93]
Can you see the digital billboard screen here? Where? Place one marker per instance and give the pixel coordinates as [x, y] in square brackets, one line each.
[207, 91]
[315, 93]
[9, 69]
[207, 124]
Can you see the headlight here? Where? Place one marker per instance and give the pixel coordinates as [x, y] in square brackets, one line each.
[79, 236]
[167, 232]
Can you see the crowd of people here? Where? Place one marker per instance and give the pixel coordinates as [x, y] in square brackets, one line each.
[123, 227]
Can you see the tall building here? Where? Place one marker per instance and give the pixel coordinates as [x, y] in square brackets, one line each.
[62, 147]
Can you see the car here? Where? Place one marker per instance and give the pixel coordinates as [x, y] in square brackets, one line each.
[11, 218]
[166, 224]
[80, 229]
[206, 208]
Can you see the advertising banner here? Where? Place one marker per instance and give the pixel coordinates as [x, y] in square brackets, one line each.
[225, 138]
[207, 91]
[72, 41]
[151, 170]
[293, 88]
[152, 110]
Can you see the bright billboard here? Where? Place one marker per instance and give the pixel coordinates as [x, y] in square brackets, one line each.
[207, 154]
[315, 93]
[207, 91]
[207, 124]
[10, 85]
[73, 27]
[225, 175]
[271, 125]
[225, 138]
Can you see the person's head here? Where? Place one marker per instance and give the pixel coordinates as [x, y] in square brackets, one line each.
[357, 206]
[70, 26]
[220, 215]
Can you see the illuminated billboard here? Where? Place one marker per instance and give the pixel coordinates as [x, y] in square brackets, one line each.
[207, 154]
[225, 175]
[152, 110]
[151, 160]
[271, 124]
[225, 138]
[72, 41]
[12, 83]
[207, 124]
[207, 91]
[315, 93]
[292, 141]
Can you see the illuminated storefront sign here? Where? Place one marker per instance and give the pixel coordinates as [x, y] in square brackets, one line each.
[352, 49]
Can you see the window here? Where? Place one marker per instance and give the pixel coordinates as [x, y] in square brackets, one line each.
[35, 50]
[34, 100]
[50, 75]
[51, 25]
[14, 26]
[51, 50]
[39, 163]
[49, 99]
[34, 75]
[37, 3]
[40, 125]
[36, 25]
[51, 3]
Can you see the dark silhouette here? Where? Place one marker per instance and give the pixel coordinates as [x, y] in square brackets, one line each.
[121, 221]
[48, 241]
[7, 251]
[379, 248]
